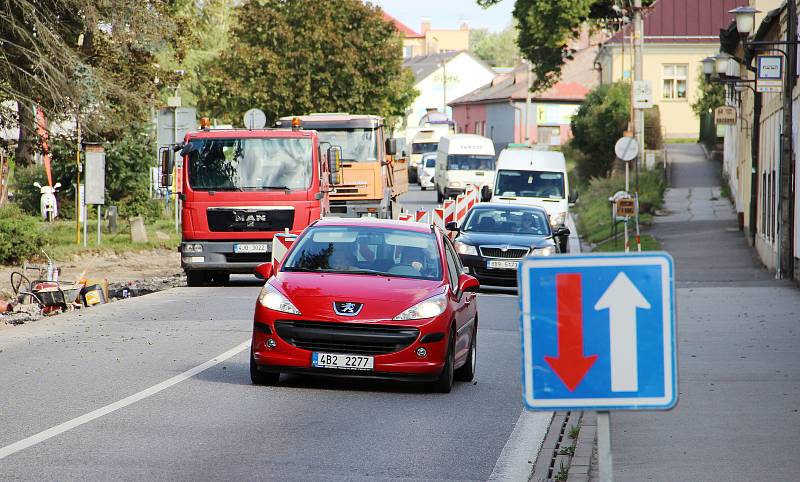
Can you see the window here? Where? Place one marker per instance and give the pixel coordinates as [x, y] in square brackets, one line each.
[408, 51]
[543, 184]
[453, 265]
[674, 83]
[548, 136]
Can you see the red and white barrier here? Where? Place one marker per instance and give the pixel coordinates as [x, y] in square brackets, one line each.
[422, 217]
[405, 217]
[280, 246]
[451, 210]
[438, 217]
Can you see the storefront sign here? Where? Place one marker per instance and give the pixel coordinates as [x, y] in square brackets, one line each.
[725, 115]
[769, 75]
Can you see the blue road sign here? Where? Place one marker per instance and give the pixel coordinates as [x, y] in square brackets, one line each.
[598, 332]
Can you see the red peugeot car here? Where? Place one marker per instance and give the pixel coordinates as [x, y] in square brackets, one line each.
[367, 298]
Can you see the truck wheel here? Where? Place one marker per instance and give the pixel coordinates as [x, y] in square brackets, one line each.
[197, 278]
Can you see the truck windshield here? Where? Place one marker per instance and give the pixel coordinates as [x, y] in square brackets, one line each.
[358, 145]
[251, 163]
[542, 184]
[424, 147]
[470, 162]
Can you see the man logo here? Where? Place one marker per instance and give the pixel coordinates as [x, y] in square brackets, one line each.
[249, 219]
[347, 308]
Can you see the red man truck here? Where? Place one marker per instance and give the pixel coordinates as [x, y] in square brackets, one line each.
[238, 188]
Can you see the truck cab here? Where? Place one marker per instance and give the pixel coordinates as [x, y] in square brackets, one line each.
[239, 188]
[372, 177]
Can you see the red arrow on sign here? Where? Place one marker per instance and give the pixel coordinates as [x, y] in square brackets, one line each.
[570, 365]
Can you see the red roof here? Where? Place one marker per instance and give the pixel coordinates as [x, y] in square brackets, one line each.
[404, 29]
[684, 21]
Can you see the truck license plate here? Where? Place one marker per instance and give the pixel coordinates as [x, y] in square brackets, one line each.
[251, 248]
[342, 361]
[502, 264]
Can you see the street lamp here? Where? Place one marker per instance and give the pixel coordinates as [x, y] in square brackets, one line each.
[745, 19]
[721, 61]
[708, 66]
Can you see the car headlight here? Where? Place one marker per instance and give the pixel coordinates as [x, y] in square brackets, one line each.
[546, 251]
[454, 184]
[558, 219]
[433, 306]
[272, 299]
[463, 248]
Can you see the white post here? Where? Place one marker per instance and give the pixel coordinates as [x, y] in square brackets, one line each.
[98, 223]
[604, 447]
[85, 216]
[638, 62]
[627, 190]
[528, 106]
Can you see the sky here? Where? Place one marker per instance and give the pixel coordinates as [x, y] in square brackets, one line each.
[446, 14]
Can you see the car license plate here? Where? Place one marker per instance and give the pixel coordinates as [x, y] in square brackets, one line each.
[342, 361]
[502, 264]
[251, 248]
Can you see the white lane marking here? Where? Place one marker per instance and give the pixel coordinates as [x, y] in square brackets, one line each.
[522, 446]
[88, 417]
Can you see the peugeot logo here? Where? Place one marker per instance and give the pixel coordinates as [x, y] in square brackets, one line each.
[347, 308]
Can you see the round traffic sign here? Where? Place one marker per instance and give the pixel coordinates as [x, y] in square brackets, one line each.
[255, 119]
[626, 148]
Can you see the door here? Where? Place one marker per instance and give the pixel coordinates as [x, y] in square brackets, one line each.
[463, 304]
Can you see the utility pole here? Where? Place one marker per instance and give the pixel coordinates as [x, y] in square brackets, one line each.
[786, 269]
[444, 87]
[638, 75]
[528, 105]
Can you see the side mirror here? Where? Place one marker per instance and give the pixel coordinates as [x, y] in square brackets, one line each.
[36, 184]
[264, 271]
[391, 147]
[573, 196]
[167, 157]
[452, 226]
[467, 283]
[334, 163]
[486, 194]
[58, 185]
[562, 232]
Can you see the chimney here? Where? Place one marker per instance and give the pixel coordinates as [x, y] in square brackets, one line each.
[426, 25]
[464, 25]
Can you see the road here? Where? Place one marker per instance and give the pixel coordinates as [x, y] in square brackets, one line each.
[60, 375]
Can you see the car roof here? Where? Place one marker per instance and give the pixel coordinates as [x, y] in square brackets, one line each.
[505, 206]
[528, 159]
[376, 223]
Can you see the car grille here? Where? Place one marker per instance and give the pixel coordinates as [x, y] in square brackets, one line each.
[245, 219]
[497, 252]
[361, 339]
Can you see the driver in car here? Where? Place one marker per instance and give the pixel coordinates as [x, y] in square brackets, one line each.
[343, 257]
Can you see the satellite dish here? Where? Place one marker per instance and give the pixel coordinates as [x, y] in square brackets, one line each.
[255, 119]
[626, 148]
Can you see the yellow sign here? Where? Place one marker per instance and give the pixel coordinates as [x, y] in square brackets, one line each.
[625, 207]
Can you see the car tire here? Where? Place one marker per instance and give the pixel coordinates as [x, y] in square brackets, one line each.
[197, 278]
[261, 378]
[467, 372]
[445, 381]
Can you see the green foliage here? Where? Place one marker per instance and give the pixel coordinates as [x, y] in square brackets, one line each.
[139, 203]
[599, 122]
[497, 49]
[298, 57]
[26, 196]
[547, 27]
[128, 162]
[21, 236]
[711, 96]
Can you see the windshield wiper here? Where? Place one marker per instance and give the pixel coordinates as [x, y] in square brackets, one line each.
[336, 271]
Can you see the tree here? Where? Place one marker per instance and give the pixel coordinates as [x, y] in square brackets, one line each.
[497, 49]
[294, 57]
[547, 27]
[70, 55]
[712, 95]
[599, 122]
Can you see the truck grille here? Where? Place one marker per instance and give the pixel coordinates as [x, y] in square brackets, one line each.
[244, 219]
[360, 339]
[509, 253]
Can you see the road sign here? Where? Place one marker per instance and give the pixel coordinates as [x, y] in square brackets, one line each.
[642, 94]
[167, 133]
[769, 73]
[725, 115]
[625, 207]
[255, 119]
[626, 148]
[598, 332]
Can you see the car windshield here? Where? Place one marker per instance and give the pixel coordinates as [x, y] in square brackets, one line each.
[251, 163]
[512, 220]
[358, 145]
[430, 162]
[470, 162]
[423, 147]
[530, 184]
[366, 250]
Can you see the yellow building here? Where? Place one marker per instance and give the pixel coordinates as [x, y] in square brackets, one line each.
[430, 41]
[671, 55]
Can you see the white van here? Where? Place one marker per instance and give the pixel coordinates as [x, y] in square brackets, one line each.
[425, 141]
[533, 176]
[463, 160]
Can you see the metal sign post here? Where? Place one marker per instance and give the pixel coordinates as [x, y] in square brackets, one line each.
[627, 149]
[598, 333]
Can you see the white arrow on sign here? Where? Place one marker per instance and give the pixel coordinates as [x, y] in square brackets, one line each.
[621, 299]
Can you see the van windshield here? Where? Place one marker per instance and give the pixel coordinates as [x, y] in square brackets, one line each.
[541, 184]
[424, 147]
[470, 162]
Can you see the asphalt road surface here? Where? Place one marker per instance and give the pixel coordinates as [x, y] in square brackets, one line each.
[158, 388]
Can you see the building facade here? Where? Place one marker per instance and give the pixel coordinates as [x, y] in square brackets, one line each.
[678, 35]
[430, 41]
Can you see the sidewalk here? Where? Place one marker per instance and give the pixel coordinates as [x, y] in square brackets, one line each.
[738, 351]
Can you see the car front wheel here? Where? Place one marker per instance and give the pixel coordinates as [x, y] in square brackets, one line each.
[445, 381]
[261, 378]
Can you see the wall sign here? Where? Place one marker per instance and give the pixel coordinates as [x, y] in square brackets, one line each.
[769, 74]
